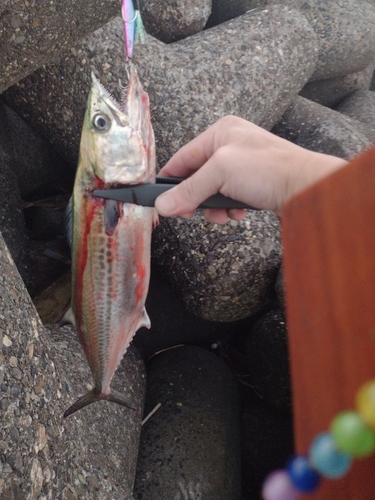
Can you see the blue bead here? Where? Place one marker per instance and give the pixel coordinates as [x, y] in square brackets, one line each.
[326, 459]
[302, 475]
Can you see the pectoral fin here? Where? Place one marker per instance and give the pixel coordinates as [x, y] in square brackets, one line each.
[111, 216]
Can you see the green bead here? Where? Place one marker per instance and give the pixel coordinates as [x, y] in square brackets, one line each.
[351, 435]
[366, 403]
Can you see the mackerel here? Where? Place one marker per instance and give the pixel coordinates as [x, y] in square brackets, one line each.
[111, 240]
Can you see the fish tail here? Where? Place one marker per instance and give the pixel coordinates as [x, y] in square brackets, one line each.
[96, 395]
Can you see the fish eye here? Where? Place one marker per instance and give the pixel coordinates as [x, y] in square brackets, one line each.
[101, 122]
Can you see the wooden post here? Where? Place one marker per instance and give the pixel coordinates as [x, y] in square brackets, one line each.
[329, 258]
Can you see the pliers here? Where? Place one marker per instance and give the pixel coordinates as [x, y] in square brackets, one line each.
[146, 194]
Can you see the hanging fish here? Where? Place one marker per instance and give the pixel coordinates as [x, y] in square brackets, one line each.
[111, 240]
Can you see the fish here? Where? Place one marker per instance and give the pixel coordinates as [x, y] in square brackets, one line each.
[111, 240]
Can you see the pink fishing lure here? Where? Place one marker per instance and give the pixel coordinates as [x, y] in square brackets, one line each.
[129, 16]
[111, 240]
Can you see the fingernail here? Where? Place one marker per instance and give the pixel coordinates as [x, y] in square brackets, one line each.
[165, 203]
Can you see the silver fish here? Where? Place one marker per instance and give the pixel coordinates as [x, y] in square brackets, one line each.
[111, 240]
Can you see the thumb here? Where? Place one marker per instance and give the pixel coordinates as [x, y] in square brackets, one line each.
[188, 195]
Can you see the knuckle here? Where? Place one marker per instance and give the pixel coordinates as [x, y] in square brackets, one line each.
[189, 189]
[230, 121]
[232, 128]
[223, 158]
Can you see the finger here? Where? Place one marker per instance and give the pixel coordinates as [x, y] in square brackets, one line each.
[189, 194]
[187, 159]
[188, 215]
[236, 213]
[215, 215]
[193, 155]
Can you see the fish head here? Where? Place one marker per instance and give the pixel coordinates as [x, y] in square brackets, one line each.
[117, 141]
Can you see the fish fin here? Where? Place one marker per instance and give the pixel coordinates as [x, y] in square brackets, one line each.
[144, 320]
[96, 395]
[68, 220]
[117, 397]
[155, 218]
[111, 215]
[68, 318]
[85, 400]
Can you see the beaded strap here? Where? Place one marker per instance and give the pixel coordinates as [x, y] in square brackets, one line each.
[351, 435]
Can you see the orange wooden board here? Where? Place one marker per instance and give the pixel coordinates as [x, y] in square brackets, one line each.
[329, 258]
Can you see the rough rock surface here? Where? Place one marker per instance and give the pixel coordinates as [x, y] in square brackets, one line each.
[280, 289]
[190, 447]
[268, 360]
[34, 32]
[361, 107]
[12, 224]
[220, 273]
[332, 91]
[225, 71]
[222, 10]
[92, 454]
[345, 30]
[34, 161]
[321, 129]
[171, 21]
[191, 83]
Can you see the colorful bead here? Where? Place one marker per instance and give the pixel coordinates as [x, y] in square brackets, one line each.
[351, 434]
[278, 486]
[326, 459]
[366, 403]
[330, 453]
[302, 475]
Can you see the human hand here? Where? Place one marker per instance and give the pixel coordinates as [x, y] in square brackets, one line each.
[242, 161]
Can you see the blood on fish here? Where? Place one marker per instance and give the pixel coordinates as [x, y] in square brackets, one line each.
[81, 262]
[89, 207]
[140, 288]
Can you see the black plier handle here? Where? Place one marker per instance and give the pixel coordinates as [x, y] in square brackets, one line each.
[146, 194]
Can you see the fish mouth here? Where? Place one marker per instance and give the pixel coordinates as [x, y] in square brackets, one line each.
[126, 90]
[117, 109]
